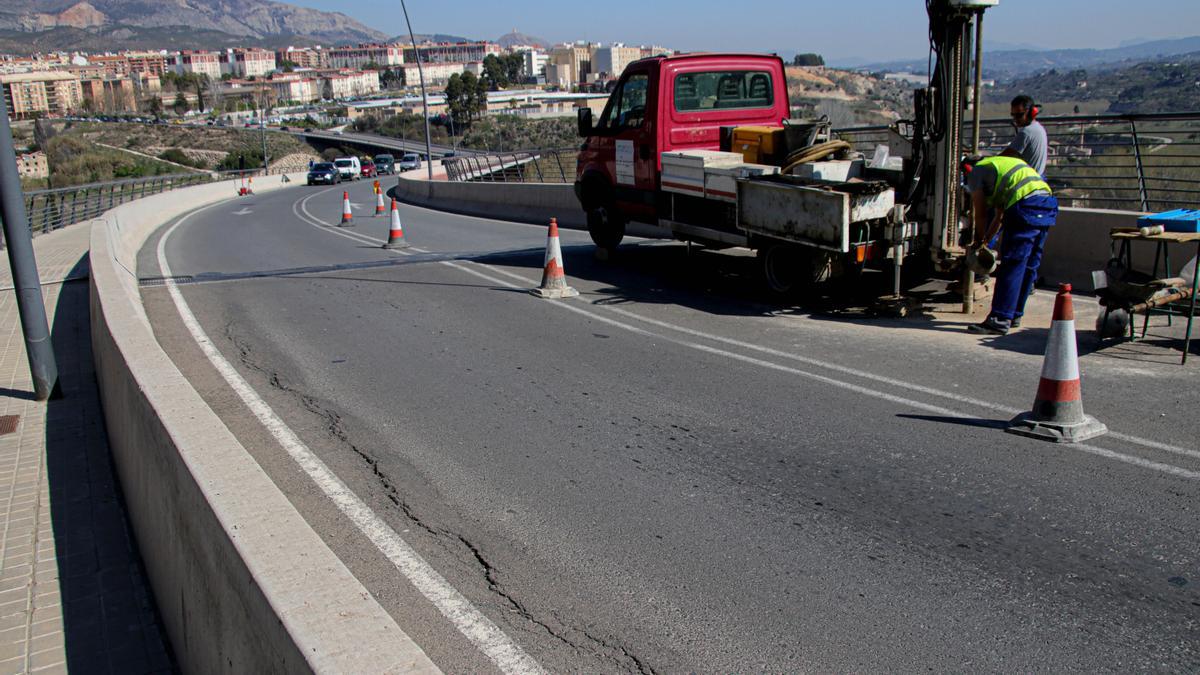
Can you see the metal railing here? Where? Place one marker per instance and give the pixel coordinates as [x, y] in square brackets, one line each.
[1135, 162]
[51, 209]
[530, 166]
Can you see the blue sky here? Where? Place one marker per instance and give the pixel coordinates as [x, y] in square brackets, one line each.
[839, 29]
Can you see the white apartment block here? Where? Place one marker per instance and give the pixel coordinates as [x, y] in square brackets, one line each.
[437, 74]
[247, 62]
[201, 63]
[613, 59]
[295, 88]
[535, 63]
[385, 56]
[349, 84]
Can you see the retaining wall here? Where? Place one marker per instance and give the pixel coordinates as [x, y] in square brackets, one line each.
[243, 584]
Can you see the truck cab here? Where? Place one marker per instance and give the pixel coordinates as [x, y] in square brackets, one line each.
[664, 104]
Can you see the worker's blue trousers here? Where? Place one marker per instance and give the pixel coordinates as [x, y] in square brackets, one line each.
[1026, 225]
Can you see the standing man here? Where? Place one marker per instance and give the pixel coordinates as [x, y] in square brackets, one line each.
[1030, 143]
[1007, 192]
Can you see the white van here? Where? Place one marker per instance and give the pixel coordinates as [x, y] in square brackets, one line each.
[348, 167]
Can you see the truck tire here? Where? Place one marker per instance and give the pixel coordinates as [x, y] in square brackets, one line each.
[789, 271]
[606, 226]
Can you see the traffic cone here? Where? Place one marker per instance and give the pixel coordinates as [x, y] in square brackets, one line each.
[395, 233]
[242, 185]
[380, 209]
[554, 277]
[1057, 413]
[346, 214]
[250, 185]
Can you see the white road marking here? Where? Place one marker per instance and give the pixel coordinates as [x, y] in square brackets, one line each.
[465, 617]
[243, 212]
[989, 405]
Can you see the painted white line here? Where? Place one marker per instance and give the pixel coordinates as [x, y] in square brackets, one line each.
[875, 377]
[465, 617]
[865, 391]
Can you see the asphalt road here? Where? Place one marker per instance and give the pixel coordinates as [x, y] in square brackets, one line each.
[668, 474]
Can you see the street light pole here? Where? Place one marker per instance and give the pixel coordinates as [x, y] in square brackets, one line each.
[27, 286]
[424, 96]
[262, 127]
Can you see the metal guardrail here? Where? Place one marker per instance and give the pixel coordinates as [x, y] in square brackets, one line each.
[530, 166]
[51, 209]
[1136, 162]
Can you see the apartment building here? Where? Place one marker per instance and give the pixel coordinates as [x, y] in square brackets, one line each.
[613, 59]
[305, 57]
[359, 56]
[458, 52]
[295, 87]
[199, 62]
[575, 61]
[535, 63]
[347, 84]
[111, 64]
[437, 74]
[110, 93]
[35, 94]
[252, 62]
[33, 165]
[146, 63]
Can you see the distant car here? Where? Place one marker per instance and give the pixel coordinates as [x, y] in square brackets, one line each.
[348, 167]
[385, 164]
[410, 161]
[324, 173]
[308, 130]
[449, 153]
[249, 125]
[368, 169]
[337, 132]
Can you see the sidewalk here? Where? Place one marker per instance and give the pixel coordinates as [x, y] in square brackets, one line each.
[73, 594]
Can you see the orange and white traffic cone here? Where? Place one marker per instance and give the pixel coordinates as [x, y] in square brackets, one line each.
[241, 185]
[380, 209]
[395, 233]
[1057, 413]
[347, 216]
[250, 185]
[554, 276]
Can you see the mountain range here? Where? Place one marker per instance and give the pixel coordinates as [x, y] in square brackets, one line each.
[1006, 64]
[35, 25]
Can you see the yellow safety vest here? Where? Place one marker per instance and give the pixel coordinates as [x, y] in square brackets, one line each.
[1015, 180]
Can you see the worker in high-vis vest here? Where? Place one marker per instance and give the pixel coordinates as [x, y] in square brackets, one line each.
[1008, 193]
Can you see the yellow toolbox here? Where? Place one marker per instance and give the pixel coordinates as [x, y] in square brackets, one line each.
[760, 145]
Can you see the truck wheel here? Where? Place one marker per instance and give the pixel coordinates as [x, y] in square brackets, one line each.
[789, 270]
[606, 226]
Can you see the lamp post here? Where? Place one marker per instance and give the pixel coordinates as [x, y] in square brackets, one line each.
[424, 97]
[262, 126]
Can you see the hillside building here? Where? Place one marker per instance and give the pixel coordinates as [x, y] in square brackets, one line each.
[44, 93]
[461, 52]
[384, 56]
[252, 62]
[33, 165]
[305, 57]
[110, 93]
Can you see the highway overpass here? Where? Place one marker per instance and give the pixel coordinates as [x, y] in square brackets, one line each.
[665, 473]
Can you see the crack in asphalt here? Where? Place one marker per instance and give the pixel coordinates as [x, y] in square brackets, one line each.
[593, 645]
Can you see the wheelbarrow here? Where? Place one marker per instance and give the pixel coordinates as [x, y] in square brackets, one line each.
[1127, 292]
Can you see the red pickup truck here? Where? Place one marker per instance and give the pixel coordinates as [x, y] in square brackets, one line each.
[663, 104]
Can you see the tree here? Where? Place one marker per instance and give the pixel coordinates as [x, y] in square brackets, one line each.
[181, 103]
[494, 72]
[456, 97]
[154, 106]
[808, 60]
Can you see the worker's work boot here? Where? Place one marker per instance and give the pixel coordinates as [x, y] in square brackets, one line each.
[991, 326]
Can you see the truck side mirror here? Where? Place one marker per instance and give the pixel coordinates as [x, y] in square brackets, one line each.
[585, 122]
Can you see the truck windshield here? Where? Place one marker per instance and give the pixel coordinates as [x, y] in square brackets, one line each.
[723, 89]
[627, 107]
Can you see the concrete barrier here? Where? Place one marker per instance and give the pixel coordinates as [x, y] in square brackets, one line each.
[521, 202]
[1078, 244]
[243, 584]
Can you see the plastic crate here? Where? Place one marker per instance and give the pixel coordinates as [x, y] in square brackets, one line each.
[1179, 220]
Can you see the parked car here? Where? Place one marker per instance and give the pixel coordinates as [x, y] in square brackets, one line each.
[348, 167]
[324, 173]
[410, 161]
[368, 169]
[284, 129]
[385, 164]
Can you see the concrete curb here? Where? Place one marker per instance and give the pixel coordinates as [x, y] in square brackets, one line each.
[242, 582]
